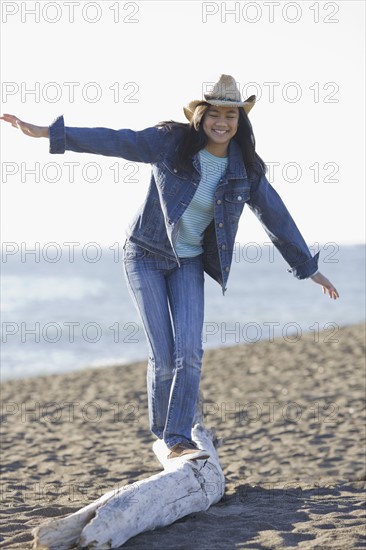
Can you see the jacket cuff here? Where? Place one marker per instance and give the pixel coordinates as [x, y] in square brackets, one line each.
[306, 269]
[57, 136]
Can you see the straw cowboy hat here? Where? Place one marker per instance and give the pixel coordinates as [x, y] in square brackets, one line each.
[225, 93]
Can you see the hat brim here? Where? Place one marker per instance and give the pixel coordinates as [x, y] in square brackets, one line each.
[247, 105]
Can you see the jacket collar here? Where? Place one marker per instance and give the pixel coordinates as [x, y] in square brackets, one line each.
[236, 168]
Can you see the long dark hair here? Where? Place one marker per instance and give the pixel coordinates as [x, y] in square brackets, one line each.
[194, 139]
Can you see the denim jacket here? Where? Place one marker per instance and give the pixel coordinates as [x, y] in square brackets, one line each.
[155, 225]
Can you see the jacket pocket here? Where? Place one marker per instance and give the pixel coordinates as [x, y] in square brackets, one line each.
[234, 202]
[169, 179]
[173, 171]
[238, 196]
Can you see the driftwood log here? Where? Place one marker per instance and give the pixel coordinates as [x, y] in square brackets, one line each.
[183, 487]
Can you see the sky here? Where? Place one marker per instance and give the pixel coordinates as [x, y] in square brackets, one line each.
[133, 64]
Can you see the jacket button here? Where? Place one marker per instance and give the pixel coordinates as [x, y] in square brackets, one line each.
[239, 198]
[227, 269]
[175, 170]
[223, 247]
[218, 202]
[221, 224]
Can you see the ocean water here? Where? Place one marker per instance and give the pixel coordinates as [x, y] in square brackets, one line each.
[67, 313]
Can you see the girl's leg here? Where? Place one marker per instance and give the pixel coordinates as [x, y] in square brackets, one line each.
[144, 272]
[186, 299]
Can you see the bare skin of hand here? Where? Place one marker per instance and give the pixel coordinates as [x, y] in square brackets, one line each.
[326, 284]
[27, 129]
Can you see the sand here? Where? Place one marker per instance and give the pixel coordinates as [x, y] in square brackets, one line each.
[291, 416]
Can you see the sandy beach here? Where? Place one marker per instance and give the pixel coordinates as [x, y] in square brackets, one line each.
[291, 416]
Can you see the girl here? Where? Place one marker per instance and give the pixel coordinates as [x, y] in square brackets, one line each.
[203, 172]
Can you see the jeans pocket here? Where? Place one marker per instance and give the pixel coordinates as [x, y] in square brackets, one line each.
[133, 251]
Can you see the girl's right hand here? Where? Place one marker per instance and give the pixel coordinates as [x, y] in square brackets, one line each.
[27, 129]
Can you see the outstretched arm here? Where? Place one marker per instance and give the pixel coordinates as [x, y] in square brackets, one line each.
[148, 145]
[279, 225]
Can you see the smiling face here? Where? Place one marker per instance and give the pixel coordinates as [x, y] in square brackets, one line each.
[220, 124]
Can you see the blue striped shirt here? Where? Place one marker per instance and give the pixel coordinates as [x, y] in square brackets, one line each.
[200, 211]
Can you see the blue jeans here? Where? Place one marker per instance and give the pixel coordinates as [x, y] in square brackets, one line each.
[170, 302]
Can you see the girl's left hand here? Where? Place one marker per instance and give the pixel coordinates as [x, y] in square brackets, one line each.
[326, 284]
